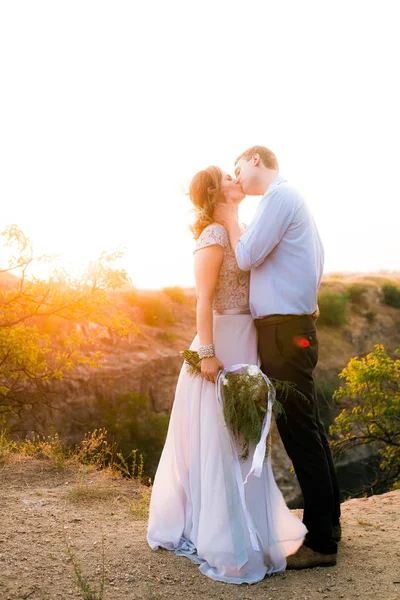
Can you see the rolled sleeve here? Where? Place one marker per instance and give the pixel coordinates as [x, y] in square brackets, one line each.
[242, 256]
[273, 217]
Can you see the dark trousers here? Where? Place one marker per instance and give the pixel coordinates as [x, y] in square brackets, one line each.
[288, 348]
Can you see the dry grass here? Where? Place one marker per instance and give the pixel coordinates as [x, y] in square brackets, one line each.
[93, 483]
[86, 490]
[90, 458]
[369, 524]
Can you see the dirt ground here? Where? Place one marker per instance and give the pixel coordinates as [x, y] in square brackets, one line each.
[53, 519]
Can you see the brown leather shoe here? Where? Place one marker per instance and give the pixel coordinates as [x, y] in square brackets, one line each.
[305, 558]
[337, 532]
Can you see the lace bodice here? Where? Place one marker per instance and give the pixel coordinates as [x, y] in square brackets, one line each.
[232, 290]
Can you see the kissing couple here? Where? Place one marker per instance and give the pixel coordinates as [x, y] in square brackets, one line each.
[257, 289]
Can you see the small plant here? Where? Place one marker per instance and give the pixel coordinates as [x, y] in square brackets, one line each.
[85, 589]
[50, 447]
[370, 315]
[93, 449]
[137, 467]
[151, 595]
[155, 311]
[131, 296]
[391, 295]
[166, 336]
[81, 480]
[7, 446]
[356, 294]
[333, 309]
[140, 507]
[175, 293]
[369, 524]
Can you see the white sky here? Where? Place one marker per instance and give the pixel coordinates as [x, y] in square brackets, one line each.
[107, 109]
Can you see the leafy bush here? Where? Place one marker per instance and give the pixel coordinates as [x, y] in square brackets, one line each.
[129, 419]
[131, 296]
[30, 355]
[391, 295]
[166, 336]
[374, 383]
[333, 308]
[370, 315]
[155, 311]
[356, 294]
[175, 293]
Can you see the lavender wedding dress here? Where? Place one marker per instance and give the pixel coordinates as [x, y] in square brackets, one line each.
[194, 507]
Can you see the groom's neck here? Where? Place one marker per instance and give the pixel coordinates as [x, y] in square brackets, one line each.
[267, 176]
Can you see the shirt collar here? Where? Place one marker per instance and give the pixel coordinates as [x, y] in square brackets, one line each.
[275, 182]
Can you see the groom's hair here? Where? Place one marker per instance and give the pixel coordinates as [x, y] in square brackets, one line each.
[268, 158]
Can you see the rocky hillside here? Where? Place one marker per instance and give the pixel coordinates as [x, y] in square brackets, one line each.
[149, 361]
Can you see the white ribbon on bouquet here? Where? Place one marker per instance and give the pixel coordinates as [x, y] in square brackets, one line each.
[234, 483]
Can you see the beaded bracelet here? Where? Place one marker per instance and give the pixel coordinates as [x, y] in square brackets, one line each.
[206, 351]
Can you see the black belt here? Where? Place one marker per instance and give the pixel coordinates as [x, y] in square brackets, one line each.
[276, 319]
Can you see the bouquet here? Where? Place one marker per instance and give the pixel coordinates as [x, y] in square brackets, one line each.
[245, 391]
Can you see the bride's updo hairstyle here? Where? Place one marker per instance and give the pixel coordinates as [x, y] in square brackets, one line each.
[204, 192]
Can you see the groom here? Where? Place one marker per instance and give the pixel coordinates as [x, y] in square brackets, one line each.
[283, 250]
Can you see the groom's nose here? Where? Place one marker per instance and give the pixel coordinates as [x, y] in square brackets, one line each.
[238, 183]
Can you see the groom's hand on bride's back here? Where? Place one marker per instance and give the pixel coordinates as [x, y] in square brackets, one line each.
[210, 368]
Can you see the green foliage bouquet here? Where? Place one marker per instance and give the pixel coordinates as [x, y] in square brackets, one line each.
[245, 393]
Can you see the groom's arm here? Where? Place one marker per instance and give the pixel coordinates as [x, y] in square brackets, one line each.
[235, 232]
[273, 217]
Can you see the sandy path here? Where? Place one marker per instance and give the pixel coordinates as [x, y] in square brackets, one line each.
[43, 510]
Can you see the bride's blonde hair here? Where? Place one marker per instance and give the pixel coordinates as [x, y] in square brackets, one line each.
[204, 192]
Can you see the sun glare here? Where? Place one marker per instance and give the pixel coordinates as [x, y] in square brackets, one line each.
[101, 136]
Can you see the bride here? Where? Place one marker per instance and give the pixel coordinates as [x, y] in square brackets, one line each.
[193, 507]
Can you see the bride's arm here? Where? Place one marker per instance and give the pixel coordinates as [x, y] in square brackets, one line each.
[207, 263]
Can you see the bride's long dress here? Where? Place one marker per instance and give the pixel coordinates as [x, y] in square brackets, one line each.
[191, 504]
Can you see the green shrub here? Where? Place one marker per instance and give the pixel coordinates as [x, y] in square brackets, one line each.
[356, 294]
[155, 311]
[166, 336]
[132, 296]
[333, 308]
[175, 293]
[373, 384]
[132, 423]
[391, 295]
[370, 315]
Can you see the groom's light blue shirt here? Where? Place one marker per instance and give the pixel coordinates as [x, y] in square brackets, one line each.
[284, 251]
